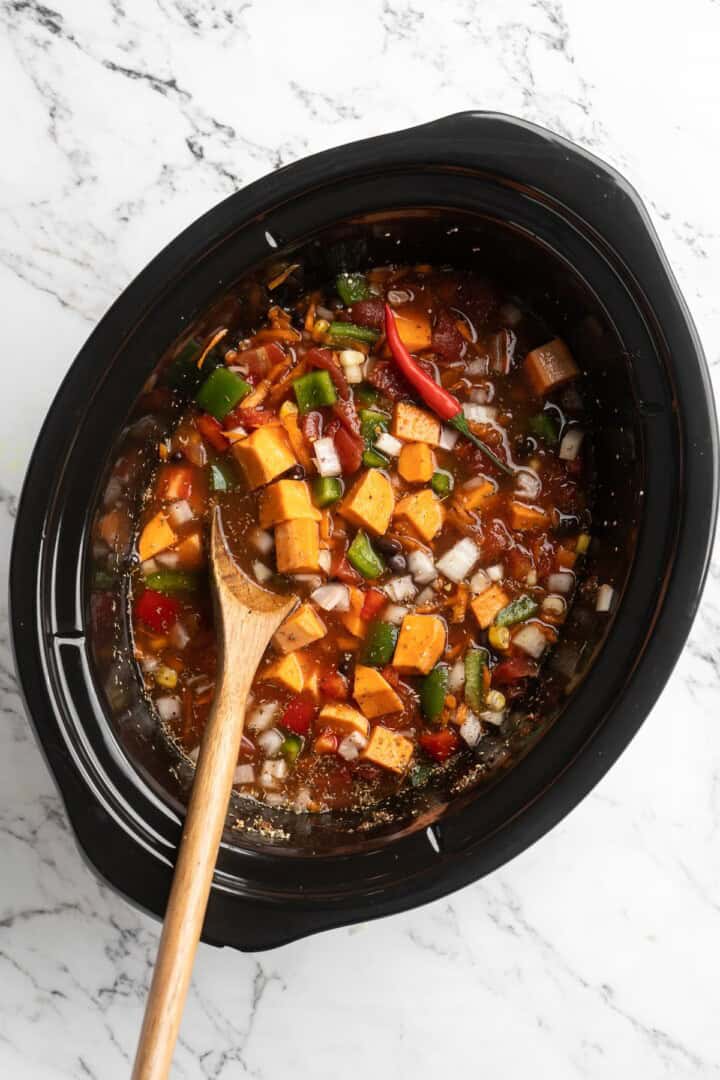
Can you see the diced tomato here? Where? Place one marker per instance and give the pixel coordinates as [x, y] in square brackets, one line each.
[333, 685]
[259, 361]
[440, 744]
[447, 340]
[386, 378]
[211, 430]
[174, 482]
[512, 669]
[347, 413]
[349, 449]
[341, 569]
[158, 612]
[495, 540]
[326, 743]
[374, 601]
[368, 313]
[298, 716]
[391, 675]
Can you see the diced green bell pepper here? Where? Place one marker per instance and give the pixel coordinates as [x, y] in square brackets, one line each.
[518, 610]
[475, 663]
[222, 477]
[291, 747]
[340, 331]
[364, 558]
[171, 581]
[365, 395]
[352, 287]
[379, 644]
[544, 427]
[326, 490]
[433, 691]
[221, 392]
[420, 774]
[442, 483]
[373, 459]
[314, 390]
[371, 424]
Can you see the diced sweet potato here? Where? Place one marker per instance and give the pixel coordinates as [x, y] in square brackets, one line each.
[297, 546]
[525, 518]
[388, 749]
[549, 366]
[351, 619]
[416, 463]
[474, 497]
[158, 535]
[287, 671]
[343, 719]
[286, 500]
[415, 425]
[369, 503]
[374, 694]
[265, 454]
[424, 511]
[420, 644]
[300, 628]
[414, 328]
[191, 551]
[488, 604]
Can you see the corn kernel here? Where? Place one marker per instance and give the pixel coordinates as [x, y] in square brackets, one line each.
[583, 543]
[320, 329]
[166, 677]
[499, 637]
[495, 700]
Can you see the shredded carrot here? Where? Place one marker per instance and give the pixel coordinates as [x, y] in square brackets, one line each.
[275, 282]
[217, 336]
[258, 395]
[280, 334]
[282, 387]
[310, 317]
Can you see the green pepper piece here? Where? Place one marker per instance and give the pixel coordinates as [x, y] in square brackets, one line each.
[171, 581]
[352, 287]
[314, 390]
[379, 644]
[373, 459]
[371, 424]
[518, 610]
[291, 748]
[365, 395]
[364, 558]
[420, 774]
[543, 426]
[222, 477]
[326, 490]
[442, 483]
[339, 331]
[433, 691]
[475, 663]
[221, 392]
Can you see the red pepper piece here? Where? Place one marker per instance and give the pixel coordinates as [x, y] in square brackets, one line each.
[440, 744]
[211, 430]
[349, 449]
[157, 611]
[298, 716]
[374, 601]
[333, 685]
[512, 669]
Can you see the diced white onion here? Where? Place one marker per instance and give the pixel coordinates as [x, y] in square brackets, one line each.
[332, 597]
[477, 367]
[527, 483]
[457, 563]
[274, 798]
[169, 708]
[168, 559]
[388, 444]
[427, 596]
[149, 567]
[561, 582]
[272, 771]
[351, 746]
[270, 742]
[456, 678]
[179, 513]
[400, 589]
[261, 540]
[570, 445]
[605, 596]
[325, 560]
[421, 566]
[303, 800]
[179, 636]
[490, 717]
[261, 571]
[354, 375]
[326, 457]
[352, 358]
[149, 663]
[483, 394]
[479, 414]
[448, 438]
[531, 640]
[471, 729]
[262, 717]
[554, 605]
[244, 774]
[496, 572]
[479, 582]
[394, 613]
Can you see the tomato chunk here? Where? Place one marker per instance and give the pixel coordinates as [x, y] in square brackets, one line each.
[211, 430]
[298, 716]
[440, 744]
[157, 611]
[512, 669]
[333, 685]
[373, 603]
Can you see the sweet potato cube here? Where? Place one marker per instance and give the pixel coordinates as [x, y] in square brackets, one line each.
[369, 503]
[287, 671]
[424, 511]
[191, 551]
[420, 644]
[297, 546]
[286, 500]
[414, 329]
[351, 619]
[311, 675]
[264, 455]
[343, 719]
[300, 628]
[488, 604]
[550, 365]
[388, 749]
[525, 518]
[473, 498]
[374, 694]
[415, 425]
[416, 463]
[158, 535]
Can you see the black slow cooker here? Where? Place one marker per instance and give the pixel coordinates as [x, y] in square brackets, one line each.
[476, 190]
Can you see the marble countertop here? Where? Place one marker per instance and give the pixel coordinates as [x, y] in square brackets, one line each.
[594, 954]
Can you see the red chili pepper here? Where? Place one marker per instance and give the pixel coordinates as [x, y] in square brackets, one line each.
[212, 432]
[440, 400]
[373, 602]
[440, 744]
[157, 611]
[298, 716]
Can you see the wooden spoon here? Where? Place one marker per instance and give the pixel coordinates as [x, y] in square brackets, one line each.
[247, 617]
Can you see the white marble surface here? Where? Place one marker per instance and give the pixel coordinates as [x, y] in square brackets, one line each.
[593, 955]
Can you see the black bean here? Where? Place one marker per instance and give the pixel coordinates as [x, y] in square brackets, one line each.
[345, 664]
[178, 456]
[397, 563]
[387, 545]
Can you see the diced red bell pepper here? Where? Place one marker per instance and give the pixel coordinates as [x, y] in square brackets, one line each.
[373, 603]
[298, 716]
[326, 743]
[341, 569]
[157, 611]
[174, 482]
[211, 430]
[349, 449]
[512, 669]
[333, 685]
[440, 744]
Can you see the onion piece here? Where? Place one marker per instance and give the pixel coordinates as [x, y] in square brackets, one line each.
[169, 559]
[471, 729]
[332, 597]
[427, 596]
[261, 571]
[400, 589]
[169, 708]
[554, 605]
[272, 771]
[483, 394]
[531, 639]
[354, 375]
[388, 444]
[570, 445]
[180, 513]
[421, 567]
[448, 438]
[394, 613]
[351, 358]
[261, 540]
[457, 563]
[326, 457]
[479, 582]
[527, 484]
[561, 582]
[325, 560]
[479, 414]
[456, 678]
[270, 742]
[244, 774]
[496, 572]
[261, 719]
[179, 637]
[605, 597]
[351, 746]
